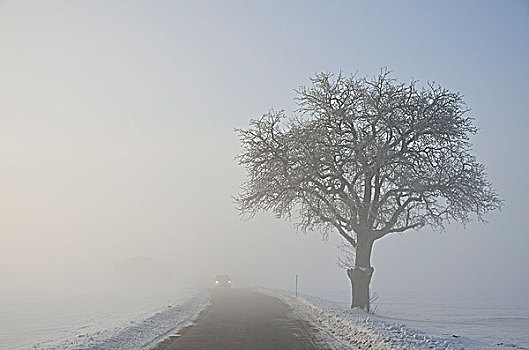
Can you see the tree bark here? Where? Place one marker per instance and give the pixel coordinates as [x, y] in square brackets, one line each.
[360, 275]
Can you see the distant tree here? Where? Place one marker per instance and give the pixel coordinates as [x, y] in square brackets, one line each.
[365, 158]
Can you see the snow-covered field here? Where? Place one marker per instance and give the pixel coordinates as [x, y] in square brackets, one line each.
[102, 321]
[141, 320]
[439, 327]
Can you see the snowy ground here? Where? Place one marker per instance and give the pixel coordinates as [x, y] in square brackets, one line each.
[344, 328]
[140, 321]
[109, 321]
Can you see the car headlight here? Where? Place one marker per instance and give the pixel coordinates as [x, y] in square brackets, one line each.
[216, 282]
[229, 281]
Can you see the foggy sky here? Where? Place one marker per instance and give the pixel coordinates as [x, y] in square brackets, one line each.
[116, 138]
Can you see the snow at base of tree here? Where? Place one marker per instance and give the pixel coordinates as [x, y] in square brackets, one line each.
[345, 328]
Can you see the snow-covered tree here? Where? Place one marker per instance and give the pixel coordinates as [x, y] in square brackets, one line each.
[365, 158]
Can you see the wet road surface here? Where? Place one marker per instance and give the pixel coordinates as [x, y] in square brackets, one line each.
[242, 319]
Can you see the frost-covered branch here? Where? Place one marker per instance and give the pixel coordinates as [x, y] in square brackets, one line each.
[366, 157]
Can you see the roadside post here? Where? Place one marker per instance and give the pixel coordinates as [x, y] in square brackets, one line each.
[296, 286]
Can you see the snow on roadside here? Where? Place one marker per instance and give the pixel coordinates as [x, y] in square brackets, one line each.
[141, 333]
[355, 329]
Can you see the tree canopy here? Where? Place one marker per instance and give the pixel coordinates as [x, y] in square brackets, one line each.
[366, 158]
[366, 155]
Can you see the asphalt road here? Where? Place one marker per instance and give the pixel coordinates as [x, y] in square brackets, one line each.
[242, 319]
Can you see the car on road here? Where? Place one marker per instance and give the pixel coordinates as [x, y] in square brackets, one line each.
[222, 281]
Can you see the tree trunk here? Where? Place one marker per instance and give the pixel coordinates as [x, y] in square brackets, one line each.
[360, 275]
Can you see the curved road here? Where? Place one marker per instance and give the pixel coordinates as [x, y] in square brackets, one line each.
[242, 319]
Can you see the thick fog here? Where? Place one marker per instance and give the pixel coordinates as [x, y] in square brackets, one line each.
[117, 144]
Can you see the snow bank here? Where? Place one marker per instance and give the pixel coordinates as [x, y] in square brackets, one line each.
[347, 328]
[142, 332]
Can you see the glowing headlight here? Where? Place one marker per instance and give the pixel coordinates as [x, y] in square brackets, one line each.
[229, 281]
[216, 282]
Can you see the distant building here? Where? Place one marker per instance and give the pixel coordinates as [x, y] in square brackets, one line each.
[141, 272]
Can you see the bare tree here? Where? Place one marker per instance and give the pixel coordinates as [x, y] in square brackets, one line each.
[365, 158]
